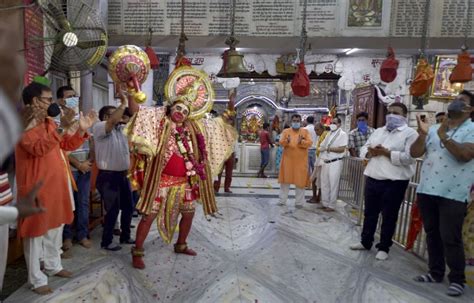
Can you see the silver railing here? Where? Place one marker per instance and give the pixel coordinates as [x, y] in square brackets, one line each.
[351, 191]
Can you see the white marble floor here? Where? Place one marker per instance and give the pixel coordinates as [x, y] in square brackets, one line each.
[251, 253]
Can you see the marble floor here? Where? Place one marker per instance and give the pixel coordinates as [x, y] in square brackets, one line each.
[252, 252]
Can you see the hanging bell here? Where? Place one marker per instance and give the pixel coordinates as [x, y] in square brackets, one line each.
[232, 65]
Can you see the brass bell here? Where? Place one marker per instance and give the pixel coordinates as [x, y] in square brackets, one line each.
[233, 64]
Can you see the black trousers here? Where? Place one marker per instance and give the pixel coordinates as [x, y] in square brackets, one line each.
[442, 220]
[382, 196]
[115, 190]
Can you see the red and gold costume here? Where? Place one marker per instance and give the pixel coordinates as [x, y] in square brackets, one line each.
[181, 160]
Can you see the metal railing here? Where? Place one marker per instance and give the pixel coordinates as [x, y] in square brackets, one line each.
[351, 191]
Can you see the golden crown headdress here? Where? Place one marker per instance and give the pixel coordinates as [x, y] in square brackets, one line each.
[193, 88]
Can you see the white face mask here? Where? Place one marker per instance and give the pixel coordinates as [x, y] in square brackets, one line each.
[332, 127]
[10, 126]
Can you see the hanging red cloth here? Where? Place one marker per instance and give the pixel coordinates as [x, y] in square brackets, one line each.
[300, 84]
[388, 69]
[462, 72]
[154, 61]
[416, 224]
[423, 78]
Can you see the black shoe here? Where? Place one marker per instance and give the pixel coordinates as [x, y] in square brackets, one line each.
[129, 241]
[112, 247]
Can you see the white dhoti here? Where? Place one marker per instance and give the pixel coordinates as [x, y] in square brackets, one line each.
[48, 247]
[330, 176]
[299, 196]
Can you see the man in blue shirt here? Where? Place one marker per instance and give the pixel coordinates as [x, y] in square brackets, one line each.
[446, 178]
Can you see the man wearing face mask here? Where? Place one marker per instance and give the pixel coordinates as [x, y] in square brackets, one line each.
[332, 152]
[388, 172]
[184, 149]
[113, 161]
[294, 162]
[443, 193]
[40, 156]
[80, 162]
[359, 135]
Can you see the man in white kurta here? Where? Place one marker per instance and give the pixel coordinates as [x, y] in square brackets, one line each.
[333, 150]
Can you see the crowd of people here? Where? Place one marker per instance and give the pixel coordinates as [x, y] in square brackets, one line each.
[49, 154]
[312, 156]
[49, 172]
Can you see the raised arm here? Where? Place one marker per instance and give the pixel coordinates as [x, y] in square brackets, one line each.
[285, 139]
[461, 151]
[116, 116]
[418, 148]
[304, 141]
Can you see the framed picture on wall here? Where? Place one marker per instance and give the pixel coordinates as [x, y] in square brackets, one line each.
[442, 88]
[364, 101]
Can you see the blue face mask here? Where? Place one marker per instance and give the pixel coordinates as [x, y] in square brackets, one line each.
[394, 121]
[362, 126]
[295, 125]
[72, 102]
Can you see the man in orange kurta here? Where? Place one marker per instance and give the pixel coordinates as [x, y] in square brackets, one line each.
[294, 162]
[39, 157]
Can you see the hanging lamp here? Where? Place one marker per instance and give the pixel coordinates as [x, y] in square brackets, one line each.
[233, 61]
[462, 72]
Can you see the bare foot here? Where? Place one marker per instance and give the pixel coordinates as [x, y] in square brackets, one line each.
[64, 274]
[43, 290]
[67, 254]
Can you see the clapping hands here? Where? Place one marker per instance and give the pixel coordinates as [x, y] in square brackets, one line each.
[86, 121]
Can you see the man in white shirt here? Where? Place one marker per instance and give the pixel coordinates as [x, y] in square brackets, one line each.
[388, 173]
[332, 152]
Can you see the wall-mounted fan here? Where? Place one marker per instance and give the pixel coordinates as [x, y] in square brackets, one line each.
[74, 38]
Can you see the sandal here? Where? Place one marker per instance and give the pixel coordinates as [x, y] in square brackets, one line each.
[455, 290]
[425, 279]
[183, 249]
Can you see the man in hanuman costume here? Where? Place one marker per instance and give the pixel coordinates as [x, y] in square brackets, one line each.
[183, 151]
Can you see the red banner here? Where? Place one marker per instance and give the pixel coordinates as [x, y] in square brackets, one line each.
[34, 52]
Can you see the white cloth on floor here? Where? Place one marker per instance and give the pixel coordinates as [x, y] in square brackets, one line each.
[47, 246]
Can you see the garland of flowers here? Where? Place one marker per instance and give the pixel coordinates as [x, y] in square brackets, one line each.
[193, 167]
